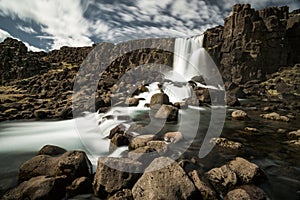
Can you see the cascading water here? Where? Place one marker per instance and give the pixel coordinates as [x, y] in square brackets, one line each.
[190, 60]
[187, 54]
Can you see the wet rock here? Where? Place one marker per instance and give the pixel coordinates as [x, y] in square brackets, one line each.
[293, 135]
[181, 105]
[159, 99]
[41, 114]
[51, 150]
[124, 194]
[247, 192]
[206, 191]
[293, 143]
[82, 185]
[222, 178]
[239, 115]
[66, 113]
[232, 100]
[167, 112]
[225, 143]
[275, 116]
[140, 141]
[119, 129]
[40, 187]
[251, 129]
[173, 137]
[280, 130]
[140, 89]
[246, 171]
[73, 164]
[169, 182]
[114, 174]
[120, 140]
[132, 101]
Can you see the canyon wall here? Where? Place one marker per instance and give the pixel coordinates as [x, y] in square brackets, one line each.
[253, 44]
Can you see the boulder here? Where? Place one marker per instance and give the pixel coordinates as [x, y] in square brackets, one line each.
[119, 129]
[132, 101]
[222, 178]
[140, 89]
[168, 182]
[159, 99]
[124, 194]
[275, 116]
[114, 174]
[73, 164]
[144, 155]
[167, 112]
[160, 146]
[225, 143]
[181, 105]
[239, 115]
[173, 137]
[40, 187]
[246, 171]
[206, 191]
[293, 135]
[41, 114]
[82, 185]
[140, 141]
[232, 100]
[247, 192]
[120, 140]
[251, 129]
[51, 150]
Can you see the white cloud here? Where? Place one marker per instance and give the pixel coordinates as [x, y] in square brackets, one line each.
[61, 20]
[65, 23]
[26, 29]
[5, 34]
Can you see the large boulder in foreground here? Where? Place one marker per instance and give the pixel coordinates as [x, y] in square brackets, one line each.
[73, 164]
[40, 187]
[170, 182]
[114, 174]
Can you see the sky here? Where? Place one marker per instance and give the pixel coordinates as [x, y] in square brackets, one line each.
[50, 24]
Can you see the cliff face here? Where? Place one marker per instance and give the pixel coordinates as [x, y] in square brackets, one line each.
[253, 44]
[17, 63]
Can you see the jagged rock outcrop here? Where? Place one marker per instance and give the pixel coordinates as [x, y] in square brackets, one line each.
[253, 44]
[17, 63]
[71, 55]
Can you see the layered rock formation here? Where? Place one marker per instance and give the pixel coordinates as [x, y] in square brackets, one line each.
[253, 44]
[17, 63]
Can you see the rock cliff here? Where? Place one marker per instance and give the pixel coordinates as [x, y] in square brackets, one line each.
[254, 43]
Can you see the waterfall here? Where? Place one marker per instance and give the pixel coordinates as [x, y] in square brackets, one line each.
[190, 59]
[188, 53]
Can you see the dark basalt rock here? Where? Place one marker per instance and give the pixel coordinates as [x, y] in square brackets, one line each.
[114, 174]
[40, 187]
[73, 164]
[169, 182]
[253, 44]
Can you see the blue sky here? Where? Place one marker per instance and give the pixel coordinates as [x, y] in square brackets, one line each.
[50, 24]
